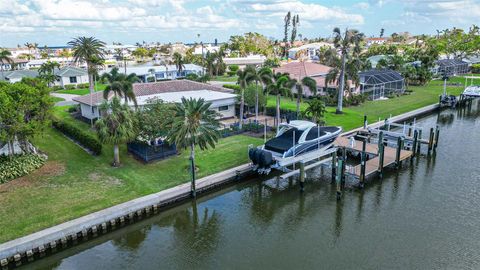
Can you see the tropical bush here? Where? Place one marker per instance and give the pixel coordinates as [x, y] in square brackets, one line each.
[232, 86]
[476, 68]
[56, 88]
[232, 70]
[83, 138]
[82, 85]
[70, 86]
[18, 165]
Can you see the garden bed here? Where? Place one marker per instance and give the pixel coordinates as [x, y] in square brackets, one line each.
[19, 165]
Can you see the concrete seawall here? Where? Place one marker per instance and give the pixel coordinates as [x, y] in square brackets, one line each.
[81, 228]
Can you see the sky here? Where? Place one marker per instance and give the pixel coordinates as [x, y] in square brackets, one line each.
[55, 22]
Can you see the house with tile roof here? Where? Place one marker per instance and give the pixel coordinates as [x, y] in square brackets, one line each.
[300, 70]
[223, 100]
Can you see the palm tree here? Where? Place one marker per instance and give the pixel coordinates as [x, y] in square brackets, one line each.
[281, 86]
[242, 82]
[315, 110]
[87, 49]
[117, 126]
[121, 85]
[308, 82]
[179, 62]
[263, 75]
[344, 43]
[47, 71]
[193, 124]
[352, 67]
[5, 58]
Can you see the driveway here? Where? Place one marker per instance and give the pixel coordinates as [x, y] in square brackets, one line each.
[67, 99]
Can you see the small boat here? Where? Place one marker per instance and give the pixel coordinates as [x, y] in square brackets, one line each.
[293, 139]
[472, 91]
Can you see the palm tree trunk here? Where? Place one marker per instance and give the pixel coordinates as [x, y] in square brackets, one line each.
[116, 156]
[193, 189]
[298, 105]
[341, 87]
[256, 101]
[242, 104]
[278, 111]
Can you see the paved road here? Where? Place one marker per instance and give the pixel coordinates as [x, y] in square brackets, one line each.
[68, 99]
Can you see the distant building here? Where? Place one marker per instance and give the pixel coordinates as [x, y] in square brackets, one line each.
[198, 50]
[17, 64]
[308, 51]
[375, 41]
[242, 62]
[300, 70]
[159, 73]
[17, 75]
[222, 99]
[65, 76]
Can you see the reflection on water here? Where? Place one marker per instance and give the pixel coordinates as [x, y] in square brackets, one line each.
[423, 216]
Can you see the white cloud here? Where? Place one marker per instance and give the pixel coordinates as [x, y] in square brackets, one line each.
[309, 12]
[362, 5]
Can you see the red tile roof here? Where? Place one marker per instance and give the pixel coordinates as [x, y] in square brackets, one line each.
[300, 70]
[146, 89]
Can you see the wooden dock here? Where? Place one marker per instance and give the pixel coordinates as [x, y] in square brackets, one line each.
[372, 166]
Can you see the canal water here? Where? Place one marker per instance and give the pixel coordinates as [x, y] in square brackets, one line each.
[424, 216]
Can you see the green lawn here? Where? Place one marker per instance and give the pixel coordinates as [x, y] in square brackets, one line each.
[225, 78]
[353, 116]
[74, 183]
[82, 91]
[56, 99]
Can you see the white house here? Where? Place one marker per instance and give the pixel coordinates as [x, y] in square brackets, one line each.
[255, 60]
[223, 100]
[375, 41]
[70, 75]
[159, 73]
[17, 75]
[308, 51]
[15, 64]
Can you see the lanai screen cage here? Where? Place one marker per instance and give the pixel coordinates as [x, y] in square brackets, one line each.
[379, 83]
[451, 67]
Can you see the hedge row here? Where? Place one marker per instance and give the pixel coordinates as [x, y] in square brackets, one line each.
[18, 165]
[235, 87]
[83, 138]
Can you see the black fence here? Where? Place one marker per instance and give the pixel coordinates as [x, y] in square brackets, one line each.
[149, 153]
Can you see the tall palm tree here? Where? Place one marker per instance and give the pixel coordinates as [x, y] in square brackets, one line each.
[121, 85]
[263, 75]
[88, 49]
[194, 124]
[242, 82]
[312, 86]
[47, 71]
[345, 42]
[117, 126]
[352, 67]
[5, 58]
[281, 86]
[179, 62]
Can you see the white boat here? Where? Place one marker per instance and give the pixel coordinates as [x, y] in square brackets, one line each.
[293, 140]
[472, 91]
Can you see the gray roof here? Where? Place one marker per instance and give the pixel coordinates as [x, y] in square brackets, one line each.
[15, 74]
[69, 71]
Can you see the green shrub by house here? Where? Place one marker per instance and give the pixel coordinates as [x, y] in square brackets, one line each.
[18, 165]
[70, 86]
[83, 138]
[232, 86]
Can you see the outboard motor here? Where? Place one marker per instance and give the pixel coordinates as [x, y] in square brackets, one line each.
[262, 160]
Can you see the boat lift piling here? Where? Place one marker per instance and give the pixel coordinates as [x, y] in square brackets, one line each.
[381, 154]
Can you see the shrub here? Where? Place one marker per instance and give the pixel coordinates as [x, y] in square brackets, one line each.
[83, 138]
[476, 68]
[19, 165]
[70, 86]
[74, 108]
[233, 68]
[82, 85]
[56, 88]
[231, 73]
[232, 86]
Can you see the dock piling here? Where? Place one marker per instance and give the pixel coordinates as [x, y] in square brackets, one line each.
[437, 133]
[381, 154]
[398, 163]
[430, 140]
[334, 164]
[365, 121]
[302, 176]
[339, 178]
[415, 141]
[363, 163]
[419, 145]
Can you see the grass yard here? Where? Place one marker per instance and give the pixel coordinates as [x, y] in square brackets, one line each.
[56, 99]
[225, 78]
[353, 116]
[82, 91]
[74, 183]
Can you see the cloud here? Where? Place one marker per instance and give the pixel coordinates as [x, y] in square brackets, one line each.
[362, 5]
[309, 12]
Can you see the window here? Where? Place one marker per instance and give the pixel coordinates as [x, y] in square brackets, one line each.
[73, 79]
[223, 108]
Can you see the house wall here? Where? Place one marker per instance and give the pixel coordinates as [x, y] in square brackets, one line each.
[87, 111]
[66, 80]
[230, 102]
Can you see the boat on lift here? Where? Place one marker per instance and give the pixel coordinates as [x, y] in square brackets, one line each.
[294, 139]
[472, 91]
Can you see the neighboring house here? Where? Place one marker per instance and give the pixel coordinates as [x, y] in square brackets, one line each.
[242, 62]
[308, 51]
[17, 75]
[18, 64]
[375, 41]
[199, 49]
[223, 100]
[70, 76]
[37, 63]
[300, 70]
[159, 73]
